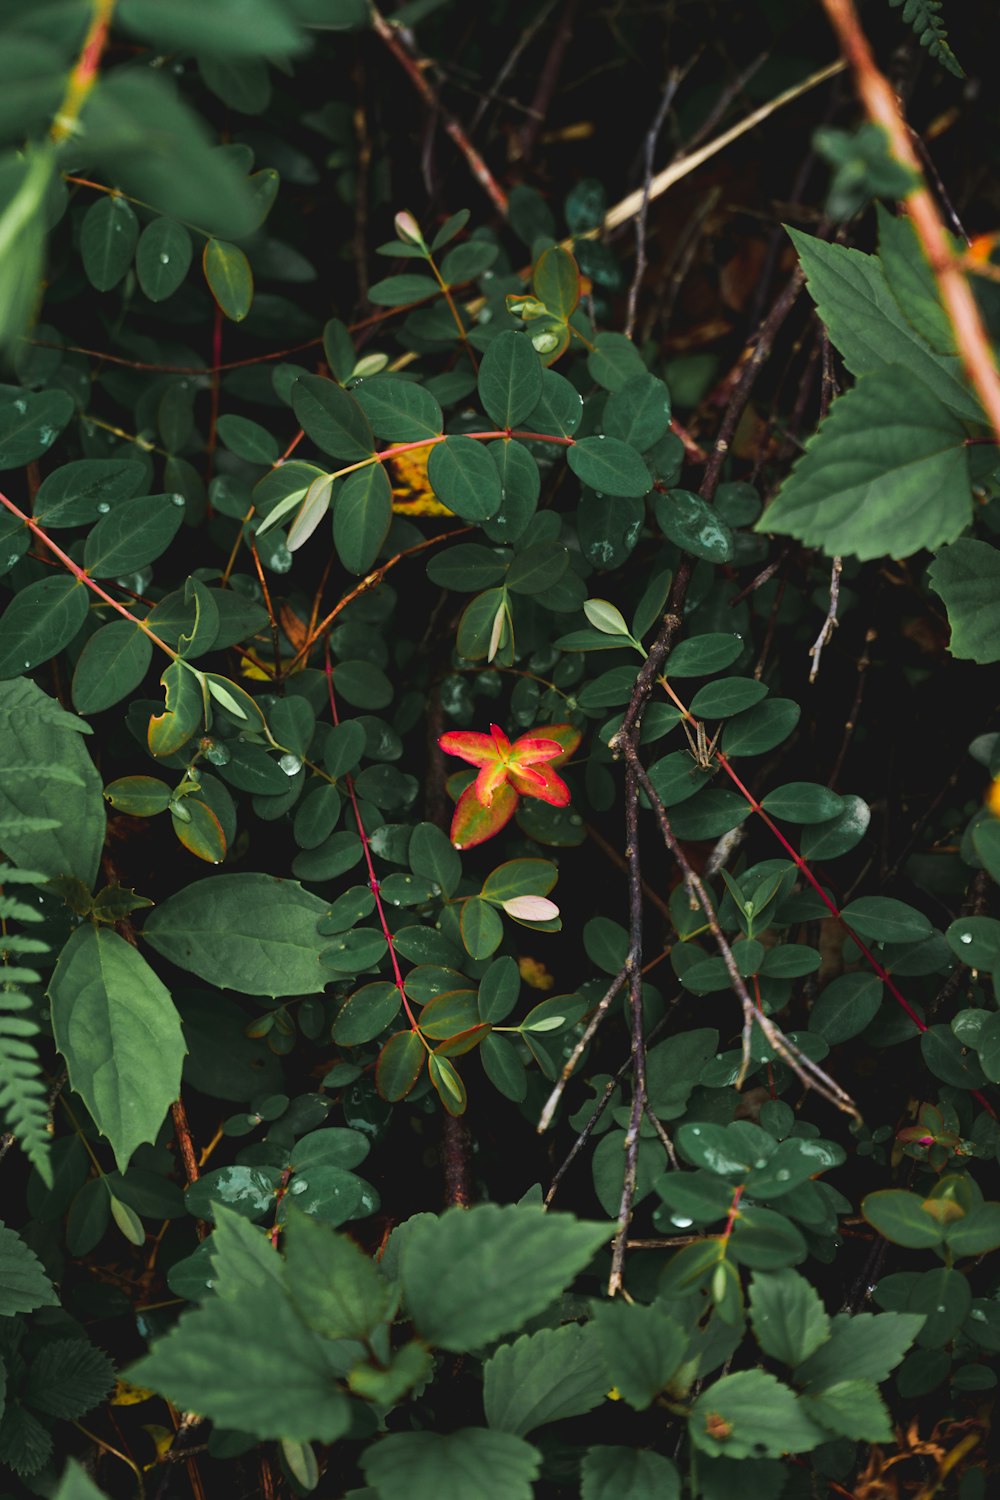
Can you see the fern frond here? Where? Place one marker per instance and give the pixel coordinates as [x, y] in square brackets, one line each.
[925, 19]
[23, 1090]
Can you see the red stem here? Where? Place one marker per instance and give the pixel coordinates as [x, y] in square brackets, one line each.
[373, 883]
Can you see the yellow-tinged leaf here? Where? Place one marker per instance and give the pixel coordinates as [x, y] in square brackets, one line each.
[535, 975]
[125, 1394]
[411, 491]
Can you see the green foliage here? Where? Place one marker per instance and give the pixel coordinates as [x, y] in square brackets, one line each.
[273, 550]
[928, 25]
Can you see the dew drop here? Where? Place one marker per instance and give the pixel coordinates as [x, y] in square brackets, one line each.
[783, 1174]
[103, 507]
[298, 1186]
[941, 1307]
[965, 937]
[680, 1222]
[290, 764]
[164, 259]
[177, 500]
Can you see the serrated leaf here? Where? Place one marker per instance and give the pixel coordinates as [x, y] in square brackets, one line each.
[751, 1415]
[967, 577]
[788, 1317]
[504, 1265]
[887, 472]
[542, 1377]
[869, 329]
[287, 1376]
[473, 1463]
[628, 1474]
[23, 1283]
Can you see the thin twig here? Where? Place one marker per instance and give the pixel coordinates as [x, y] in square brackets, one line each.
[831, 621]
[415, 69]
[629, 206]
[633, 966]
[548, 79]
[882, 108]
[597, 1016]
[652, 137]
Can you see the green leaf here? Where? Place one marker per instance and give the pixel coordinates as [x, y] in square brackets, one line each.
[464, 478]
[978, 1233]
[846, 1006]
[869, 329]
[482, 929]
[163, 258]
[108, 238]
[135, 533]
[704, 655]
[628, 1474]
[397, 291]
[559, 408]
[246, 932]
[606, 618]
[229, 277]
[409, 1366]
[220, 28]
[67, 1378]
[986, 842]
[851, 1409]
[614, 361]
[967, 576]
[911, 280]
[23, 1284]
[638, 412]
[432, 856]
[609, 466]
[30, 422]
[802, 802]
[687, 520]
[49, 779]
[944, 1297]
[504, 1266]
[901, 1217]
[751, 1415]
[335, 1287]
[886, 920]
[399, 1065]
[471, 1464]
[948, 1059]
[510, 379]
[287, 1374]
[828, 840]
[76, 1484]
[789, 1321]
[362, 514]
[116, 1026]
[761, 727]
[642, 1347]
[887, 472]
[863, 1347]
[728, 696]
[555, 281]
[542, 1377]
[248, 440]
[73, 493]
[39, 622]
[111, 666]
[400, 411]
[332, 418]
[765, 1240]
[366, 1013]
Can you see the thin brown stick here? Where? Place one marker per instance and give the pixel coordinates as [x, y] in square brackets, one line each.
[548, 79]
[633, 968]
[415, 70]
[652, 137]
[831, 621]
[882, 108]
